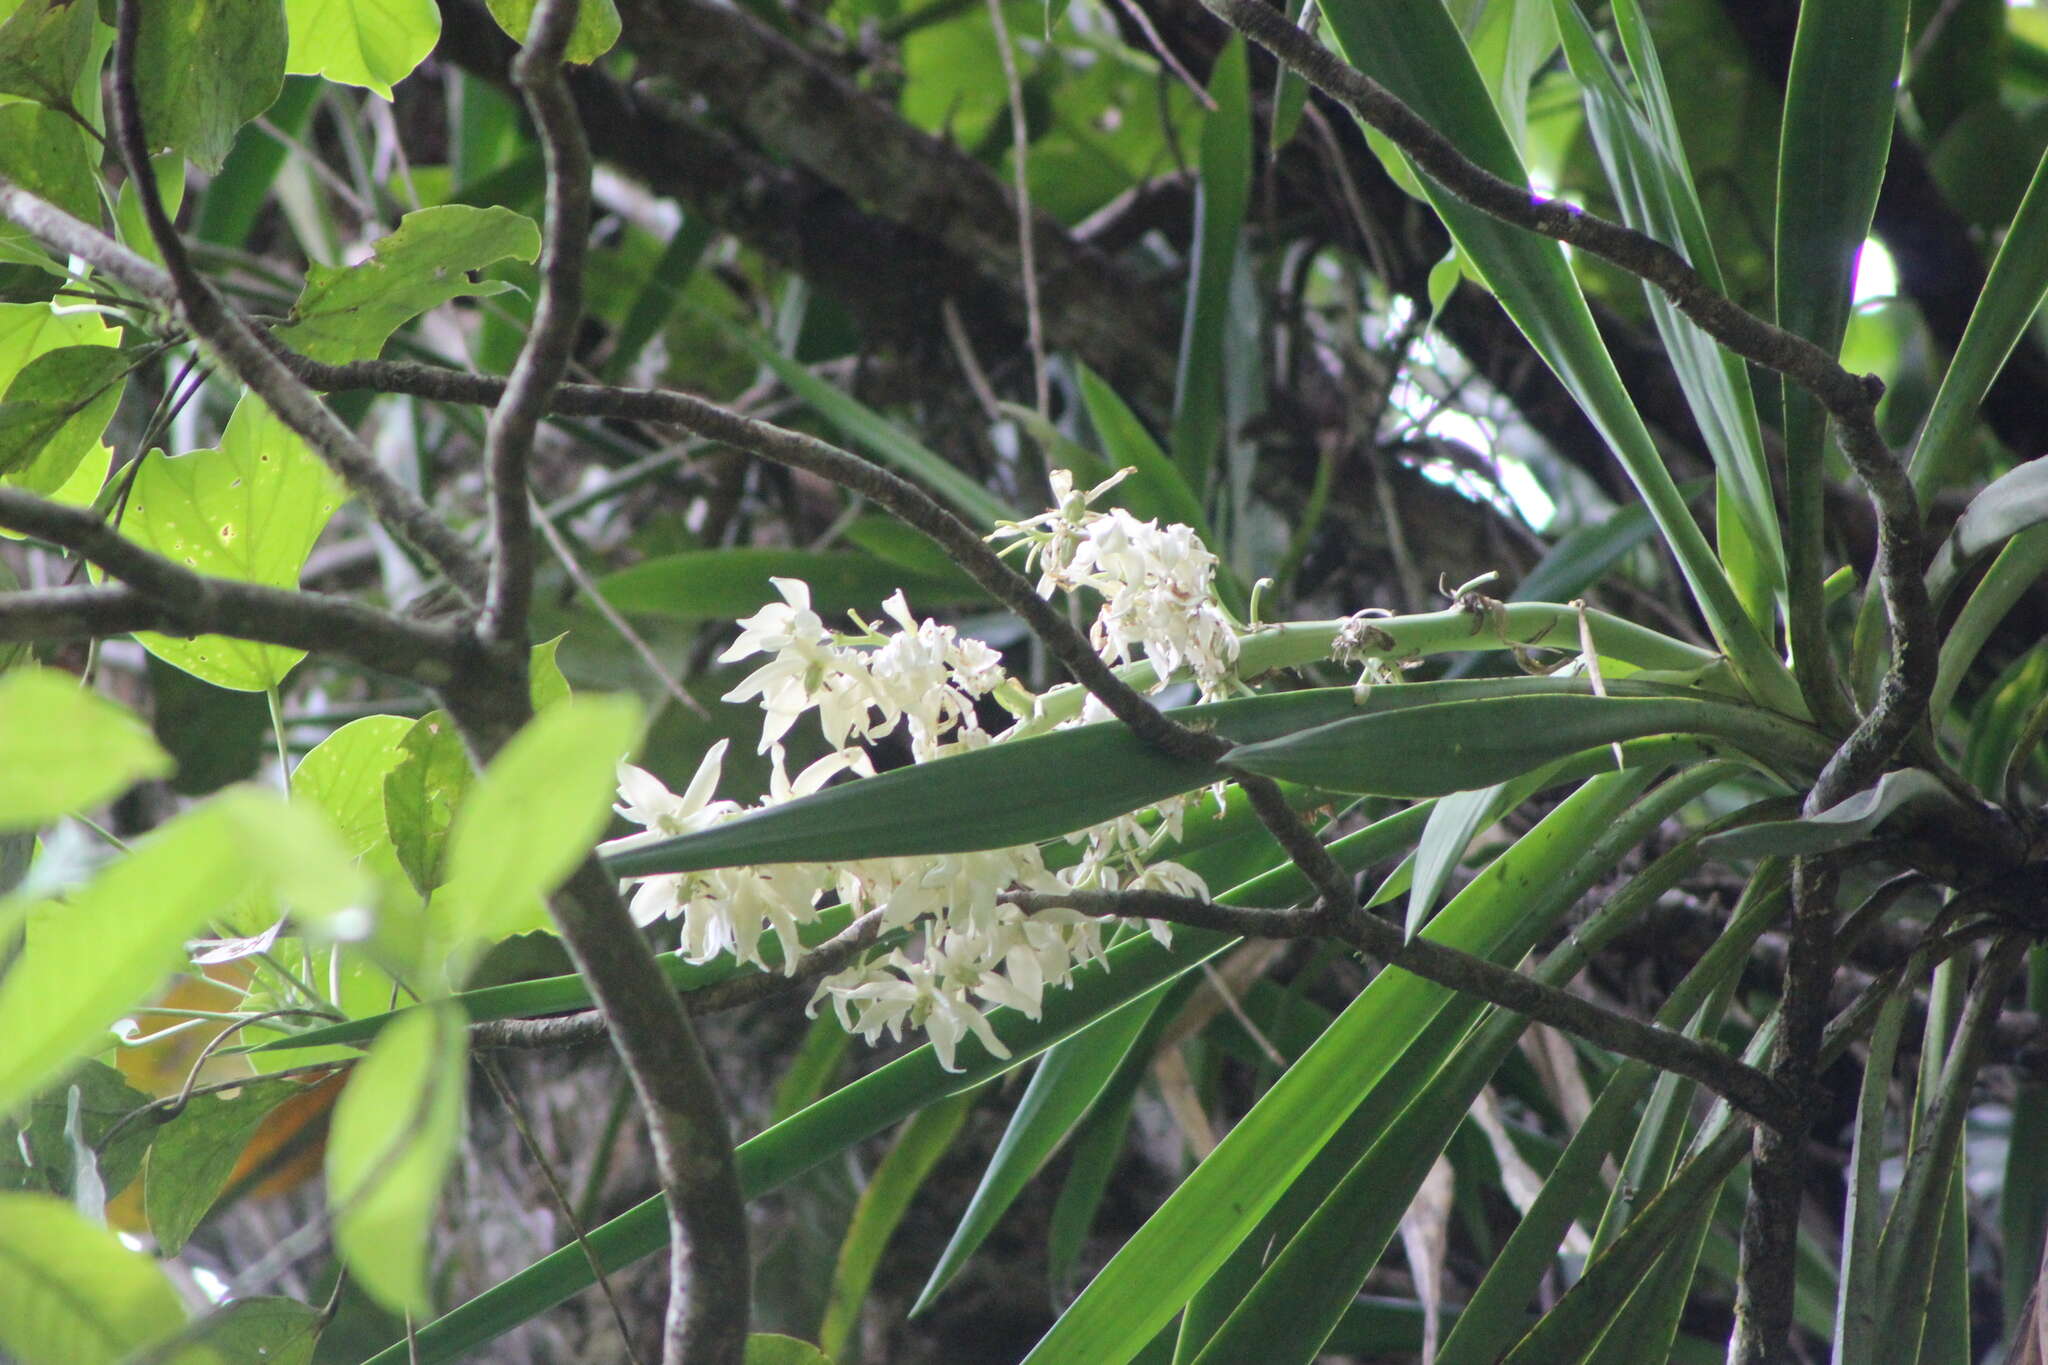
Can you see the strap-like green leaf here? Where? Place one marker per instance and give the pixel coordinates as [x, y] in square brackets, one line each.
[1203, 1221]
[1432, 750]
[1413, 48]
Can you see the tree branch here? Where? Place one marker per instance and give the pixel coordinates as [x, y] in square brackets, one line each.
[567, 1030]
[550, 343]
[166, 596]
[1743, 1086]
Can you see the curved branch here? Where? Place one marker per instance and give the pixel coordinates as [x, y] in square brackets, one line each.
[164, 595]
[1744, 1086]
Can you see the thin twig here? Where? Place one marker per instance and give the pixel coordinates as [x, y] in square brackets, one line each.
[568, 1030]
[1744, 1086]
[166, 596]
[566, 554]
[1027, 253]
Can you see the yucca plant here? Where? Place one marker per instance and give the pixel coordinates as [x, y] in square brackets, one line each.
[1056, 870]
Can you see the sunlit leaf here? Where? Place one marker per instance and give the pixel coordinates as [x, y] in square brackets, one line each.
[533, 815]
[65, 748]
[371, 43]
[250, 510]
[421, 792]
[394, 1135]
[54, 412]
[71, 1294]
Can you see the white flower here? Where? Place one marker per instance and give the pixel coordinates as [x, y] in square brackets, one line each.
[894, 991]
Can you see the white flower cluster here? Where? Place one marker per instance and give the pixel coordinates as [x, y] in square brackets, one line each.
[963, 949]
[1157, 583]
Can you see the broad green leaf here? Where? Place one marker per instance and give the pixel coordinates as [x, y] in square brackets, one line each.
[34, 1151]
[1413, 48]
[876, 1101]
[194, 1154]
[882, 1205]
[268, 1330]
[1063, 1089]
[767, 1348]
[394, 1135]
[226, 214]
[884, 439]
[708, 585]
[102, 950]
[1221, 195]
[44, 46]
[371, 43]
[597, 26]
[1023, 791]
[1459, 746]
[348, 312]
[71, 1294]
[1203, 1221]
[48, 155]
[1010, 793]
[344, 777]
[65, 748]
[546, 683]
[206, 67]
[421, 793]
[532, 816]
[1839, 825]
[250, 510]
[29, 330]
[1511, 40]
[82, 489]
[54, 412]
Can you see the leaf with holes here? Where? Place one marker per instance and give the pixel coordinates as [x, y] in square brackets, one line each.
[250, 510]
